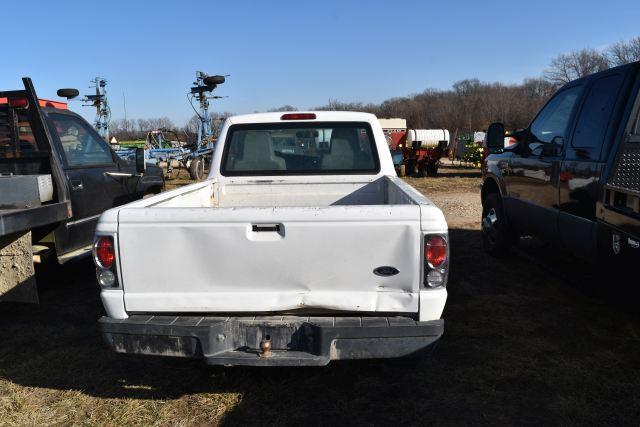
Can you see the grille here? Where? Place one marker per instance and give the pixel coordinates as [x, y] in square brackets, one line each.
[627, 173]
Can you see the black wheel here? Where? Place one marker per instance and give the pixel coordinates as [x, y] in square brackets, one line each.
[410, 168]
[432, 169]
[497, 237]
[196, 169]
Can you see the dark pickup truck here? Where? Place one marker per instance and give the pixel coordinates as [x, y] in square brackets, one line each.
[573, 177]
[57, 175]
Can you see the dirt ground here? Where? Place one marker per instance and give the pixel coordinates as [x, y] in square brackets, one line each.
[531, 339]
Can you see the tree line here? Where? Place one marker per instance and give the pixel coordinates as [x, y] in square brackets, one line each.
[469, 105]
[137, 129]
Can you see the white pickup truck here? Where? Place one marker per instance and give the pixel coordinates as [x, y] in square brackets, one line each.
[301, 247]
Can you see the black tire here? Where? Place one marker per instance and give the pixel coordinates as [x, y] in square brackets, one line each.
[196, 169]
[432, 169]
[68, 93]
[497, 236]
[410, 168]
[213, 80]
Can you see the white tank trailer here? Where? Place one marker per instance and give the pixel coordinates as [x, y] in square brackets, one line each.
[428, 138]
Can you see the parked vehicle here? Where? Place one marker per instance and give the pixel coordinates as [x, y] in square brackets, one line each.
[424, 149]
[573, 176]
[195, 155]
[301, 247]
[57, 175]
[395, 132]
[414, 152]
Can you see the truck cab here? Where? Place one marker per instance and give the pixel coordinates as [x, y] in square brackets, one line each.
[556, 181]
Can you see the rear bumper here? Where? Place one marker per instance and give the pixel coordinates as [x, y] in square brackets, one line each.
[295, 340]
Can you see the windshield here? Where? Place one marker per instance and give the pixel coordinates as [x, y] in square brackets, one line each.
[300, 149]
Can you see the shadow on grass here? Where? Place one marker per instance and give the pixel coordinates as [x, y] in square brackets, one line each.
[458, 172]
[520, 346]
[444, 172]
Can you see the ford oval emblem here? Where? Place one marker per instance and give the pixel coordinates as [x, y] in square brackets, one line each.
[385, 271]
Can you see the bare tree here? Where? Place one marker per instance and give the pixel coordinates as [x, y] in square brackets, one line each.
[191, 127]
[217, 120]
[283, 108]
[624, 52]
[335, 105]
[143, 125]
[123, 129]
[576, 64]
[160, 123]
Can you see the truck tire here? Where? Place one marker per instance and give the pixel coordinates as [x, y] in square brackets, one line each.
[432, 169]
[497, 236]
[196, 169]
[402, 170]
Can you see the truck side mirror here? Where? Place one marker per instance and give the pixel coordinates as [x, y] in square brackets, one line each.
[141, 165]
[495, 137]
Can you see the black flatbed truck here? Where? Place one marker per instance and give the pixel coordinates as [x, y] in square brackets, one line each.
[45, 148]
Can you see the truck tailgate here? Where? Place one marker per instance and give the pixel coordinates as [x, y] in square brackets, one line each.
[270, 259]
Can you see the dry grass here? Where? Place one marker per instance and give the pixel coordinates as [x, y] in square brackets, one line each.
[449, 179]
[178, 178]
[527, 341]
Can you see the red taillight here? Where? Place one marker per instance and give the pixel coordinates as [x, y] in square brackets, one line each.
[435, 251]
[18, 102]
[298, 116]
[104, 252]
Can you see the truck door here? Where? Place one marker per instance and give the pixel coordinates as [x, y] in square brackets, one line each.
[584, 163]
[532, 183]
[87, 158]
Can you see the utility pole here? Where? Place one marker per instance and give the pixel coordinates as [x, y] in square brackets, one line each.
[124, 102]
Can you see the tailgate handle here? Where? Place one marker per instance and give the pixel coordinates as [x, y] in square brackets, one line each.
[274, 228]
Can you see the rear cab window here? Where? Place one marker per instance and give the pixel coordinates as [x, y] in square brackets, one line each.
[16, 137]
[317, 148]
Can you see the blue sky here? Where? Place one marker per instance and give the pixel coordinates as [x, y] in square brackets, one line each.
[292, 52]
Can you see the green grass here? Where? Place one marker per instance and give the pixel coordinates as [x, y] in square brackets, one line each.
[137, 143]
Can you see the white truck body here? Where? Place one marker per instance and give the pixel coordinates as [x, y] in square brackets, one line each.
[286, 244]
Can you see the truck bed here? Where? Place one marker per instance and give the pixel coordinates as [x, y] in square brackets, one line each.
[275, 246]
[288, 193]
